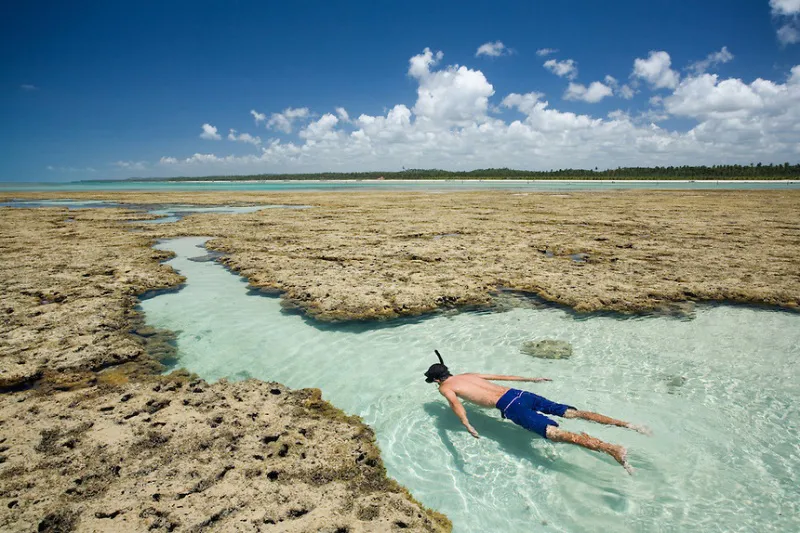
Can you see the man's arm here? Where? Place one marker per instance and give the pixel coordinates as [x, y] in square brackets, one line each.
[458, 409]
[500, 377]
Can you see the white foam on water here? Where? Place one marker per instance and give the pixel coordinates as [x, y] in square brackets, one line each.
[720, 392]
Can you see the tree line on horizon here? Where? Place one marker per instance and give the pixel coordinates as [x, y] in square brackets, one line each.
[714, 172]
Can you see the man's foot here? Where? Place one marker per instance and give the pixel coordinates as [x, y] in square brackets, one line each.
[621, 455]
[644, 430]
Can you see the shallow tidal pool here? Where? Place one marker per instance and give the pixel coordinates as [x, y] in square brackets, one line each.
[720, 392]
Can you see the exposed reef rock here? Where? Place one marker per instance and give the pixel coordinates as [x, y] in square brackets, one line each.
[547, 349]
[68, 290]
[177, 454]
[506, 301]
[375, 255]
[92, 438]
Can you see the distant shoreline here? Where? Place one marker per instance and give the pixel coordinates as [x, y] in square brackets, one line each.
[418, 184]
[452, 180]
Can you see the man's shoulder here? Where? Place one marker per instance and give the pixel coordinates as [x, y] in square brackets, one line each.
[459, 382]
[446, 390]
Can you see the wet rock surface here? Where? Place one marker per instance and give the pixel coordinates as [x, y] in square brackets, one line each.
[176, 454]
[92, 438]
[359, 255]
[547, 349]
[375, 255]
[68, 290]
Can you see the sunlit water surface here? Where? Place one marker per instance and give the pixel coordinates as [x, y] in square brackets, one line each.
[720, 392]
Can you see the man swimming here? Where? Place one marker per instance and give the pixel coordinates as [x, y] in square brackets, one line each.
[523, 408]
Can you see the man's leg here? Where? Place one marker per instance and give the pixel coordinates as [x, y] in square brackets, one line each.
[603, 419]
[619, 453]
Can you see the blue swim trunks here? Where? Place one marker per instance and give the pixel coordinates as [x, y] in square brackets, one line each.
[524, 409]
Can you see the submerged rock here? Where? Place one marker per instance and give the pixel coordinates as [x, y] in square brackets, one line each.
[210, 256]
[547, 349]
[676, 381]
[506, 301]
[145, 331]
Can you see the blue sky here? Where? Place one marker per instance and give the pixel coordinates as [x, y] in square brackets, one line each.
[117, 89]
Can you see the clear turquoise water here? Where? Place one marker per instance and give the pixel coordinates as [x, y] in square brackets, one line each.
[720, 392]
[289, 186]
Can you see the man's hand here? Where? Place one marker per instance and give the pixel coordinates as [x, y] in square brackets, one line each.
[538, 380]
[458, 409]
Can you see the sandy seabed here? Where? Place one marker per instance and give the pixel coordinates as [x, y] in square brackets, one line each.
[92, 437]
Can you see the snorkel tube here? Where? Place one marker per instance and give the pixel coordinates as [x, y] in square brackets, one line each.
[437, 370]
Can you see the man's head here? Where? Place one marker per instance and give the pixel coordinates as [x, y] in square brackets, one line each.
[438, 372]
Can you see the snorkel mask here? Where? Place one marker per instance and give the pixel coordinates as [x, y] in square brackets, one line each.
[437, 371]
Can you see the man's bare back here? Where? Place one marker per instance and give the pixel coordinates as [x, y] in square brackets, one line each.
[476, 388]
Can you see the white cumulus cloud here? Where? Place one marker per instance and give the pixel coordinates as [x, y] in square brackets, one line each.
[448, 126]
[70, 169]
[453, 95]
[131, 165]
[794, 76]
[787, 12]
[285, 120]
[712, 60]
[708, 97]
[626, 92]
[656, 70]
[495, 49]
[320, 129]
[523, 102]
[342, 114]
[785, 7]
[210, 133]
[623, 91]
[540, 119]
[789, 33]
[258, 117]
[542, 52]
[592, 94]
[565, 69]
[420, 65]
[243, 137]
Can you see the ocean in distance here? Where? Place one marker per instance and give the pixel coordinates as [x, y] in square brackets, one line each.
[397, 185]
